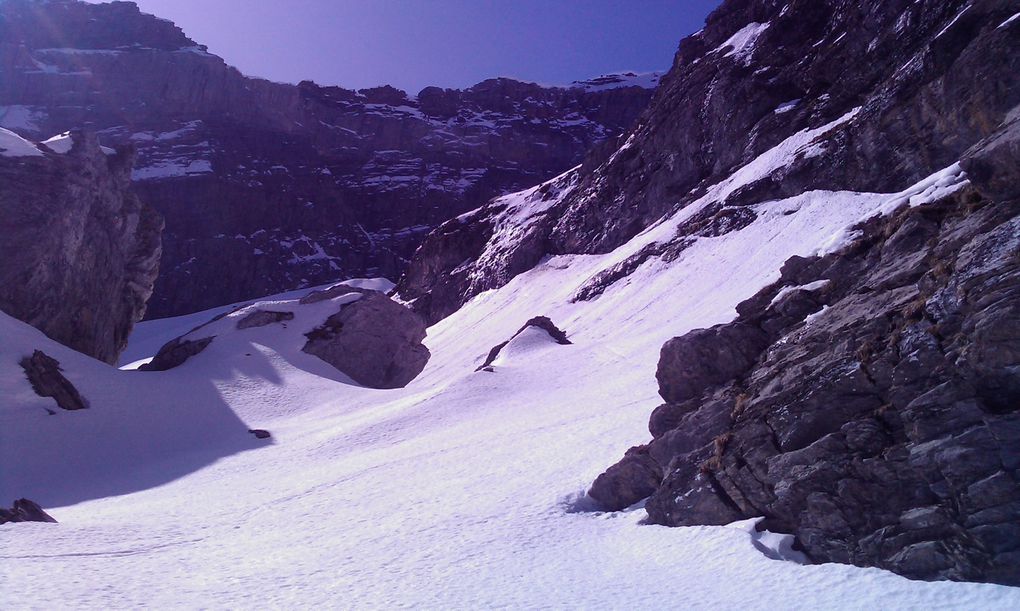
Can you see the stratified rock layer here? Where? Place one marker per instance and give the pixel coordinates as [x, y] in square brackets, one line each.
[79, 251]
[878, 419]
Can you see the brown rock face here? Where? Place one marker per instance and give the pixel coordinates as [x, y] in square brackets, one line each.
[79, 252]
[267, 187]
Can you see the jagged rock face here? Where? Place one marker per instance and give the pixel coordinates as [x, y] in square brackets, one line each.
[904, 87]
[79, 251]
[879, 419]
[267, 186]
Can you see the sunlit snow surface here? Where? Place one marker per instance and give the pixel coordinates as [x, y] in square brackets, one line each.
[464, 490]
[13, 145]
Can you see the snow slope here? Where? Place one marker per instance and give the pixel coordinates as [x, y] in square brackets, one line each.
[13, 145]
[463, 490]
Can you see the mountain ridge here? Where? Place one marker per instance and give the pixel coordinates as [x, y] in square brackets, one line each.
[284, 185]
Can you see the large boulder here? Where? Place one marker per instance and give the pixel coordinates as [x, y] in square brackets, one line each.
[374, 340]
[79, 252]
[632, 479]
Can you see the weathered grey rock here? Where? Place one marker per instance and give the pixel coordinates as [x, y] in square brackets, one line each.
[262, 318]
[79, 252]
[632, 479]
[374, 340]
[24, 510]
[175, 352]
[885, 433]
[539, 322]
[44, 373]
[705, 358]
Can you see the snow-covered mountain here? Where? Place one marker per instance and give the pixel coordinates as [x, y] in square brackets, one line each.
[811, 257]
[267, 186]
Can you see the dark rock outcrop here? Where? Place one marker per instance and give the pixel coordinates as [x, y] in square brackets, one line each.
[881, 423]
[175, 352]
[627, 482]
[79, 252]
[266, 186]
[905, 88]
[24, 510]
[373, 340]
[539, 322]
[44, 374]
[706, 357]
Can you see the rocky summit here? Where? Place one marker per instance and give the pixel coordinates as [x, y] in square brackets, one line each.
[267, 186]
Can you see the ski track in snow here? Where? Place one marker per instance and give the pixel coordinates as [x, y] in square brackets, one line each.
[462, 490]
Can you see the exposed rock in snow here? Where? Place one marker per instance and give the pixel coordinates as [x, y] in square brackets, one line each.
[79, 250]
[629, 481]
[883, 432]
[175, 353]
[43, 373]
[24, 510]
[374, 340]
[261, 318]
[547, 329]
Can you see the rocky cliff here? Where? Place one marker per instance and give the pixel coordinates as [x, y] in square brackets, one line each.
[268, 186]
[80, 251]
[866, 401]
[904, 88]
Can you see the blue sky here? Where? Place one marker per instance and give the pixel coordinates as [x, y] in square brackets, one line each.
[450, 43]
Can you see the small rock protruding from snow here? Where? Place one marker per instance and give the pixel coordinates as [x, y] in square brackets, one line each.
[44, 373]
[25, 510]
[539, 329]
[262, 318]
[175, 353]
